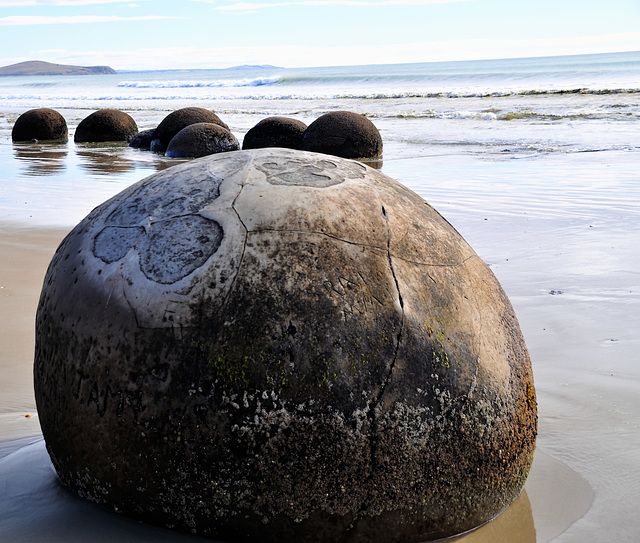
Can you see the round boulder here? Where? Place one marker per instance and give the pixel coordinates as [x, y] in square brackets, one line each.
[106, 125]
[142, 140]
[201, 139]
[275, 132]
[344, 134]
[40, 124]
[279, 346]
[179, 119]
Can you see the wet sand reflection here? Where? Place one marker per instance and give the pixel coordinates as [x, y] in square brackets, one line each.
[39, 159]
[104, 158]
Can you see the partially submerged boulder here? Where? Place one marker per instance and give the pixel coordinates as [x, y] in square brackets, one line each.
[201, 139]
[275, 132]
[345, 134]
[142, 140]
[106, 125]
[179, 119]
[42, 124]
[280, 346]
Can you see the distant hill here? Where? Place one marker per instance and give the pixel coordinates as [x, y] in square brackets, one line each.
[249, 66]
[39, 67]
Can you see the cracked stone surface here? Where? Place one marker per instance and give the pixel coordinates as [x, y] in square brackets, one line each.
[274, 345]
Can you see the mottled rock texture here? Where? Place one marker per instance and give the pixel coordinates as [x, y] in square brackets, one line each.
[275, 132]
[201, 139]
[345, 134]
[106, 125]
[40, 124]
[179, 119]
[279, 346]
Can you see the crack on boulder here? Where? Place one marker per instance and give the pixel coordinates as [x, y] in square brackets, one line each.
[401, 302]
[373, 404]
[244, 247]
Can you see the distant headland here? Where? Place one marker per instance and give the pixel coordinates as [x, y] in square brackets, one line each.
[39, 67]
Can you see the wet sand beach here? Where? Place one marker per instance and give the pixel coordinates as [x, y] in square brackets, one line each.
[25, 254]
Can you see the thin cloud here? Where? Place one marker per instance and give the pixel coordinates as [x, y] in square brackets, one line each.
[28, 20]
[286, 55]
[252, 6]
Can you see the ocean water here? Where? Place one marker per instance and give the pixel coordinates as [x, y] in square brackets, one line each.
[534, 161]
[491, 110]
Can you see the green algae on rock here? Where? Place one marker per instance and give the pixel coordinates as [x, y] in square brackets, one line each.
[278, 345]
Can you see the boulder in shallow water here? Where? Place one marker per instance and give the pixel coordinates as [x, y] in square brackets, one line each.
[201, 139]
[142, 140]
[106, 125]
[279, 346]
[179, 119]
[41, 124]
[275, 132]
[345, 134]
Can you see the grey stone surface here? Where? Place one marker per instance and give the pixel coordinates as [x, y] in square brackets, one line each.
[274, 345]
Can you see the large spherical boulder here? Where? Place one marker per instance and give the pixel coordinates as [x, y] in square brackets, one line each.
[142, 140]
[275, 132]
[40, 124]
[179, 119]
[280, 346]
[201, 139]
[344, 134]
[106, 125]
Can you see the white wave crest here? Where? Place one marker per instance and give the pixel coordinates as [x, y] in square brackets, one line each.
[177, 84]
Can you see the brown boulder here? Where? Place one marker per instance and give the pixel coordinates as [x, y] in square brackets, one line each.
[275, 132]
[179, 119]
[344, 134]
[201, 139]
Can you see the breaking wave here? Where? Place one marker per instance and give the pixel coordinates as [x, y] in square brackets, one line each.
[189, 84]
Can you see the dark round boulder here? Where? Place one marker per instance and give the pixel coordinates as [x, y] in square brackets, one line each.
[201, 139]
[281, 346]
[344, 134]
[42, 124]
[142, 140]
[275, 132]
[106, 125]
[179, 119]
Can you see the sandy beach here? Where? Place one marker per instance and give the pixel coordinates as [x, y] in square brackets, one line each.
[25, 254]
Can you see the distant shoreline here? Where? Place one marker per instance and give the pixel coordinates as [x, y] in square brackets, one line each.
[39, 67]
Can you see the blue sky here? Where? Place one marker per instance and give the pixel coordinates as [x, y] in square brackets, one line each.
[158, 34]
